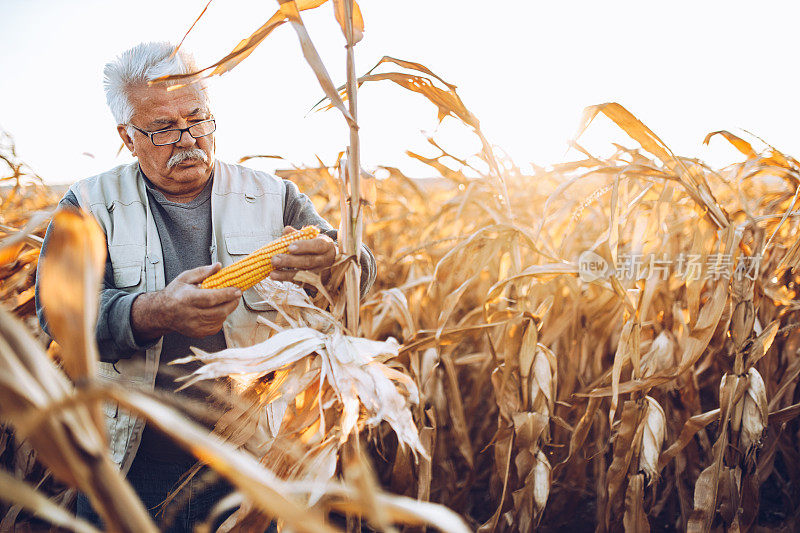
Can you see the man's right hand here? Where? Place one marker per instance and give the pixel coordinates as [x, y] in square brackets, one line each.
[184, 307]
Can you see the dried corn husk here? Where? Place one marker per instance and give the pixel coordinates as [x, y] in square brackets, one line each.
[660, 356]
[655, 431]
[326, 387]
[541, 481]
[754, 413]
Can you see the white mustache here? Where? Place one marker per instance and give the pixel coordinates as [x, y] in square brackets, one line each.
[185, 155]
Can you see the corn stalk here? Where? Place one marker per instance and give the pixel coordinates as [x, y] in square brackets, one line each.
[350, 241]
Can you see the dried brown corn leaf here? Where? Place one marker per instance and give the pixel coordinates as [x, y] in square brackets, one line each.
[635, 517]
[358, 20]
[740, 144]
[14, 490]
[626, 443]
[70, 280]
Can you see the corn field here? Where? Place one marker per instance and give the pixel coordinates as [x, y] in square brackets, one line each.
[606, 344]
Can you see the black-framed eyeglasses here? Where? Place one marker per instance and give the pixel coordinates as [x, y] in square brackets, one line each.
[173, 135]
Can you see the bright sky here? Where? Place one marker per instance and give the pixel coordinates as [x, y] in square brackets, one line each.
[525, 68]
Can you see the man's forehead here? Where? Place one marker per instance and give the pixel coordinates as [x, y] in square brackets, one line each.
[157, 103]
[168, 118]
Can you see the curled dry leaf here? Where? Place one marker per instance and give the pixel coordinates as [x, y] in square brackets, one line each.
[740, 144]
[70, 280]
[358, 20]
[292, 13]
[240, 52]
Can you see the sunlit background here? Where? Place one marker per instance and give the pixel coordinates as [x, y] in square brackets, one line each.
[526, 69]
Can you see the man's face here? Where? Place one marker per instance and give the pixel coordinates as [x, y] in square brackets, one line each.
[156, 109]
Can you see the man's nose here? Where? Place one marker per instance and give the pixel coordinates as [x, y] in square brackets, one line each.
[186, 140]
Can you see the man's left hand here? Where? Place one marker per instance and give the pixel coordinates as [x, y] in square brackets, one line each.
[312, 254]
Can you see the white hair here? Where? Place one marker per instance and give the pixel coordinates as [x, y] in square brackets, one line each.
[138, 65]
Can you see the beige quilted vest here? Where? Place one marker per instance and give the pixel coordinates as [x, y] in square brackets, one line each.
[246, 213]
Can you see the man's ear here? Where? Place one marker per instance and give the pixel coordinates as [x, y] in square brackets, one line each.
[126, 139]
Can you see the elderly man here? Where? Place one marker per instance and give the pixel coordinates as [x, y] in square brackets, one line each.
[171, 219]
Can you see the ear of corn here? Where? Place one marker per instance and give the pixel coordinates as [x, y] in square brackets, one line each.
[655, 431]
[755, 412]
[256, 266]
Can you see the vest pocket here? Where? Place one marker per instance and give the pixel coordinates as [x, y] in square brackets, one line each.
[246, 243]
[128, 276]
[127, 261]
[241, 244]
[254, 302]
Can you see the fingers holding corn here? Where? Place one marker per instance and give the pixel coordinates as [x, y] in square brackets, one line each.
[196, 312]
[312, 254]
[258, 265]
[207, 299]
[183, 307]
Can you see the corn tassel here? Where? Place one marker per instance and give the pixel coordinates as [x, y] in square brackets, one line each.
[256, 266]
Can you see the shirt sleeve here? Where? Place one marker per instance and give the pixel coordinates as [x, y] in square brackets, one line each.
[299, 211]
[114, 333]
